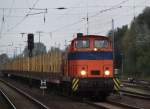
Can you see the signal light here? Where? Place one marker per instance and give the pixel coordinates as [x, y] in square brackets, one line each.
[30, 41]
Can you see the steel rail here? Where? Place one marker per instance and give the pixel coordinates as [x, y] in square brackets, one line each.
[26, 95]
[8, 100]
[137, 95]
[113, 105]
[123, 105]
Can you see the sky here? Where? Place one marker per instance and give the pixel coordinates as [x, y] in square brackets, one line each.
[58, 21]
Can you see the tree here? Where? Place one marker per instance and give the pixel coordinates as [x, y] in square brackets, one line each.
[136, 44]
[39, 48]
[119, 34]
[144, 18]
[4, 58]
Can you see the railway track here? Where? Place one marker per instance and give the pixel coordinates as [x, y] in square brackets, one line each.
[97, 105]
[137, 89]
[108, 104]
[104, 105]
[134, 94]
[57, 100]
[112, 105]
[19, 99]
[7, 104]
[137, 84]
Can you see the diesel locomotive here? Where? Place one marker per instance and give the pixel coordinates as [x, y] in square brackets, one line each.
[86, 67]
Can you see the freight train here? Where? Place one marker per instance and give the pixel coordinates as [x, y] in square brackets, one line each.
[86, 67]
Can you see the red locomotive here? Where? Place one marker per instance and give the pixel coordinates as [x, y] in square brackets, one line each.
[86, 68]
[90, 64]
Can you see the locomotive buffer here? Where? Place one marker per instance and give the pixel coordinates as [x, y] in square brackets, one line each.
[117, 83]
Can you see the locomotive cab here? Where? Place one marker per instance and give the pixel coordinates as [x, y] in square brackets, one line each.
[90, 61]
[91, 56]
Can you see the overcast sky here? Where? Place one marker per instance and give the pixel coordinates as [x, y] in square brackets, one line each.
[20, 16]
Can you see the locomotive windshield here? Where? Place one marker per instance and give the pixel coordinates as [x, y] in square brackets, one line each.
[100, 43]
[82, 44]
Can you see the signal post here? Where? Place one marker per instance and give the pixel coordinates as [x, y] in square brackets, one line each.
[30, 48]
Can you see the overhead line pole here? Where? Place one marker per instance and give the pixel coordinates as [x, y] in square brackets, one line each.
[39, 32]
[87, 18]
[113, 43]
[87, 24]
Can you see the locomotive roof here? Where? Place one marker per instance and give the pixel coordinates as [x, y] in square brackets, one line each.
[95, 36]
[92, 36]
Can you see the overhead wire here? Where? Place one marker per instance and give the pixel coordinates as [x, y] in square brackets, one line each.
[4, 18]
[9, 13]
[94, 6]
[129, 14]
[66, 13]
[111, 8]
[67, 24]
[60, 17]
[17, 24]
[75, 23]
[63, 27]
[2, 23]
[100, 12]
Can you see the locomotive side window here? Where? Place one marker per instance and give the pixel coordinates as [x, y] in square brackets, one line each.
[82, 44]
[101, 43]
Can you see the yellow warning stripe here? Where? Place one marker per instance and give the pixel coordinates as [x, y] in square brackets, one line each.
[117, 80]
[116, 85]
[76, 88]
[75, 84]
[73, 80]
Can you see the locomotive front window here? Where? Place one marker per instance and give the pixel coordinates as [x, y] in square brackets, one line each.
[101, 43]
[82, 44]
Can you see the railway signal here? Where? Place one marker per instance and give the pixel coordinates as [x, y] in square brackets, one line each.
[30, 43]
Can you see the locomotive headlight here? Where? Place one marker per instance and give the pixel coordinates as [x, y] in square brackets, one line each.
[107, 72]
[83, 72]
[95, 49]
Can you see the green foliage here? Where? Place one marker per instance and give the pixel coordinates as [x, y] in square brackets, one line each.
[136, 44]
[119, 34]
[143, 61]
[144, 18]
